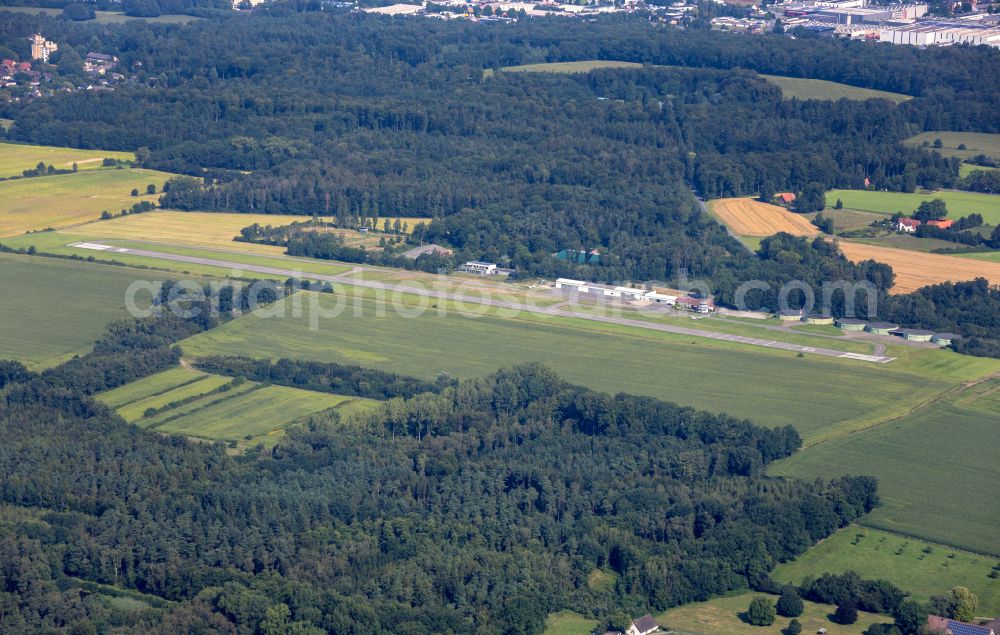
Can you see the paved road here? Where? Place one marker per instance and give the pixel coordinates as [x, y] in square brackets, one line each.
[491, 302]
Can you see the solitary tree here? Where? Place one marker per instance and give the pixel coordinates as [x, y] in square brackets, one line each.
[794, 628]
[761, 611]
[789, 604]
[839, 204]
[846, 613]
[964, 603]
[135, 192]
[151, 189]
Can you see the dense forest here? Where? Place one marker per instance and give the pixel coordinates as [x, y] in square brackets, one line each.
[476, 506]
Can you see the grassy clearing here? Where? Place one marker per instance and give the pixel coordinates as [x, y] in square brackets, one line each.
[975, 143]
[959, 203]
[6, 123]
[725, 615]
[848, 219]
[791, 87]
[568, 623]
[936, 469]
[148, 386]
[51, 309]
[67, 199]
[919, 567]
[906, 241]
[254, 413]
[798, 88]
[114, 17]
[602, 580]
[198, 385]
[967, 168]
[15, 158]
[690, 371]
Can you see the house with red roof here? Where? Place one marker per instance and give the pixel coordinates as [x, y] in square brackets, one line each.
[907, 225]
[941, 223]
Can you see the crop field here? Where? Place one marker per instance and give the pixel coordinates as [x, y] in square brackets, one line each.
[750, 217]
[15, 158]
[687, 370]
[67, 199]
[798, 88]
[976, 143]
[959, 203]
[50, 309]
[725, 615]
[195, 404]
[916, 269]
[924, 569]
[936, 468]
[195, 229]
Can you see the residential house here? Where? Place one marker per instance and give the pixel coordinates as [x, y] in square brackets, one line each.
[907, 225]
[941, 223]
[785, 198]
[480, 268]
[954, 627]
[643, 626]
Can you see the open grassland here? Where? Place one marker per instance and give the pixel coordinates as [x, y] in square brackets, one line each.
[147, 387]
[767, 386]
[59, 242]
[6, 123]
[791, 87]
[114, 17]
[936, 468]
[906, 241]
[798, 88]
[919, 567]
[196, 404]
[253, 413]
[750, 217]
[50, 309]
[916, 269]
[67, 199]
[847, 219]
[15, 158]
[959, 203]
[976, 143]
[967, 168]
[568, 623]
[989, 256]
[727, 615]
[195, 229]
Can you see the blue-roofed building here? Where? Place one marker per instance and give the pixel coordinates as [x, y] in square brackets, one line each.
[954, 627]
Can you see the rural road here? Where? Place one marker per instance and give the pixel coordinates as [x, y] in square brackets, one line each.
[491, 302]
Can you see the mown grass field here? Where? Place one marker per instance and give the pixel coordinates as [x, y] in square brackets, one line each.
[67, 199]
[791, 87]
[959, 203]
[922, 568]
[967, 168]
[725, 615]
[15, 158]
[798, 88]
[975, 143]
[687, 370]
[936, 467]
[107, 17]
[50, 309]
[190, 403]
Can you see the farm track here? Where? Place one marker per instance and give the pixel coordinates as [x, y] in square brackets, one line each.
[502, 304]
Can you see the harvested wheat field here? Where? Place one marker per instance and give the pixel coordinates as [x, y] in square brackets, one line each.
[750, 217]
[915, 269]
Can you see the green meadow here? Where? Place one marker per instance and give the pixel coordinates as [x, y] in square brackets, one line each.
[975, 143]
[921, 568]
[51, 309]
[791, 87]
[959, 203]
[725, 615]
[65, 199]
[767, 386]
[936, 467]
[15, 157]
[191, 403]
